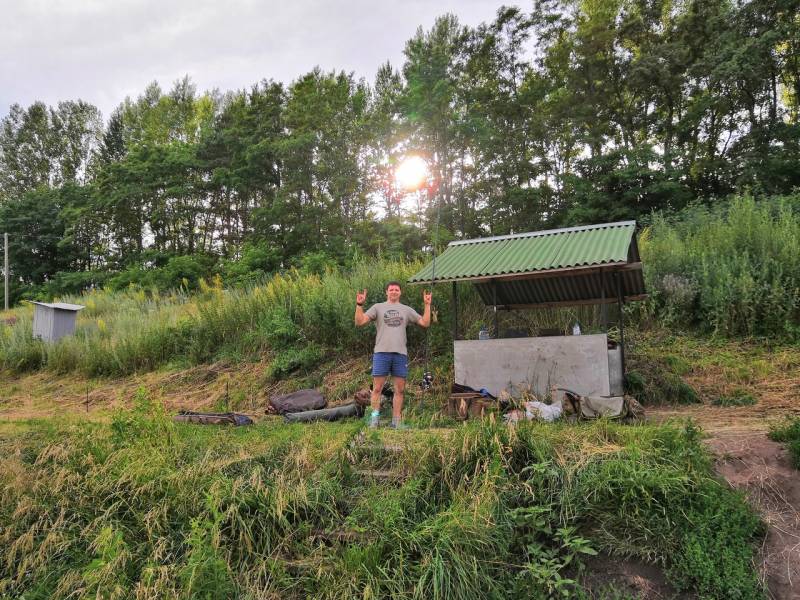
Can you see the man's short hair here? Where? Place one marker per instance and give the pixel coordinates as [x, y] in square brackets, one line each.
[391, 283]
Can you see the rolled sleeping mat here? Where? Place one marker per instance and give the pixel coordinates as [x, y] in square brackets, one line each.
[325, 414]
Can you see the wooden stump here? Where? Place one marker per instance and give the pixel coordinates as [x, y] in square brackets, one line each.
[463, 406]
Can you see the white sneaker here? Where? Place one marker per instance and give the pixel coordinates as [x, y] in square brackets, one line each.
[374, 418]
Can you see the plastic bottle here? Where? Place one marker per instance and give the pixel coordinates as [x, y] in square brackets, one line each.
[483, 334]
[576, 329]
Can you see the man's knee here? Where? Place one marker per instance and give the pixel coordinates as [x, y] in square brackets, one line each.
[377, 386]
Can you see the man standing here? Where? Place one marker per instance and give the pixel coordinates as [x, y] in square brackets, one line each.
[391, 355]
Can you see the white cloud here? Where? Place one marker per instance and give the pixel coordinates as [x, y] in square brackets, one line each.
[100, 51]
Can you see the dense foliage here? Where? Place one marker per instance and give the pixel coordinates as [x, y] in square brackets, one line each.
[573, 112]
[733, 269]
[145, 508]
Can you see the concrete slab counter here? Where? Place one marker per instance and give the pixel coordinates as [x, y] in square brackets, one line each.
[582, 363]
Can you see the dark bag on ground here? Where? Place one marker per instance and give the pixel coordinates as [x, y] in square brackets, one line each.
[326, 414]
[188, 416]
[299, 401]
[458, 388]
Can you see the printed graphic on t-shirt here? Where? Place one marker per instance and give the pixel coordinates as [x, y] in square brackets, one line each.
[392, 318]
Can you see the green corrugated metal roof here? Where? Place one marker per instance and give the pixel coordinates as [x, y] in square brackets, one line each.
[533, 252]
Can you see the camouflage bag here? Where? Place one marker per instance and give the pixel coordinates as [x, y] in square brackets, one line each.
[593, 407]
[188, 416]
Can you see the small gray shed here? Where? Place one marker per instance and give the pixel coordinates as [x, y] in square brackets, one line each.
[54, 320]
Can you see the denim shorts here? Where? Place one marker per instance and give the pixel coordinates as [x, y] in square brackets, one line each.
[389, 363]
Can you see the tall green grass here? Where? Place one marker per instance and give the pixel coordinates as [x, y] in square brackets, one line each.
[149, 509]
[733, 270]
[300, 319]
[137, 330]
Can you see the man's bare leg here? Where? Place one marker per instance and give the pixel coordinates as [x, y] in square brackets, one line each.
[375, 396]
[397, 402]
[375, 400]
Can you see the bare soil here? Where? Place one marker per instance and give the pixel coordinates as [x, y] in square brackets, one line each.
[761, 469]
[644, 581]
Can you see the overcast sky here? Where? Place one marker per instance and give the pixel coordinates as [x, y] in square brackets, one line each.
[101, 51]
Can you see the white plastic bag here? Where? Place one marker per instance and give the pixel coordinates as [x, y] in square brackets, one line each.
[540, 410]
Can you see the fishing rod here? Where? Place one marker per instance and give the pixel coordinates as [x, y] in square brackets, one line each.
[427, 377]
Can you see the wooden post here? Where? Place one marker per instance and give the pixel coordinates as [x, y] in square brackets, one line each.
[494, 301]
[455, 311]
[603, 307]
[620, 303]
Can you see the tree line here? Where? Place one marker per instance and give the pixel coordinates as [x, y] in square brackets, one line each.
[569, 113]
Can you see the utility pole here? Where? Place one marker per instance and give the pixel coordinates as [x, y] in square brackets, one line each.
[5, 265]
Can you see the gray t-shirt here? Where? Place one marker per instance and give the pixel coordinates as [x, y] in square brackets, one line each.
[391, 320]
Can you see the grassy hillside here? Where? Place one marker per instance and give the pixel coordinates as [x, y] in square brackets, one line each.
[145, 508]
[292, 316]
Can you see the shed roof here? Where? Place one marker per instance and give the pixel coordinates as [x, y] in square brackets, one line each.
[59, 305]
[557, 266]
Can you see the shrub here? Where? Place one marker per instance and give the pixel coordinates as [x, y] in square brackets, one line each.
[165, 273]
[736, 398]
[252, 267]
[658, 385]
[714, 554]
[789, 434]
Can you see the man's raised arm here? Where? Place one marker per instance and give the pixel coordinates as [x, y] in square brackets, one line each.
[361, 318]
[425, 321]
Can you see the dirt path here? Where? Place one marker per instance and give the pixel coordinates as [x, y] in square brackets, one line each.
[753, 463]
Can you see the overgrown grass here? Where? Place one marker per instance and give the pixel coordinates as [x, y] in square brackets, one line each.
[146, 508]
[293, 316]
[732, 270]
[655, 371]
[737, 398]
[789, 434]
[297, 318]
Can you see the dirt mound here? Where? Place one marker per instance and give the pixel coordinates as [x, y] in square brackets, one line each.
[761, 468]
[644, 581]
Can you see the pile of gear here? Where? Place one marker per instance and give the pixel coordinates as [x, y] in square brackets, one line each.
[573, 407]
[466, 403]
